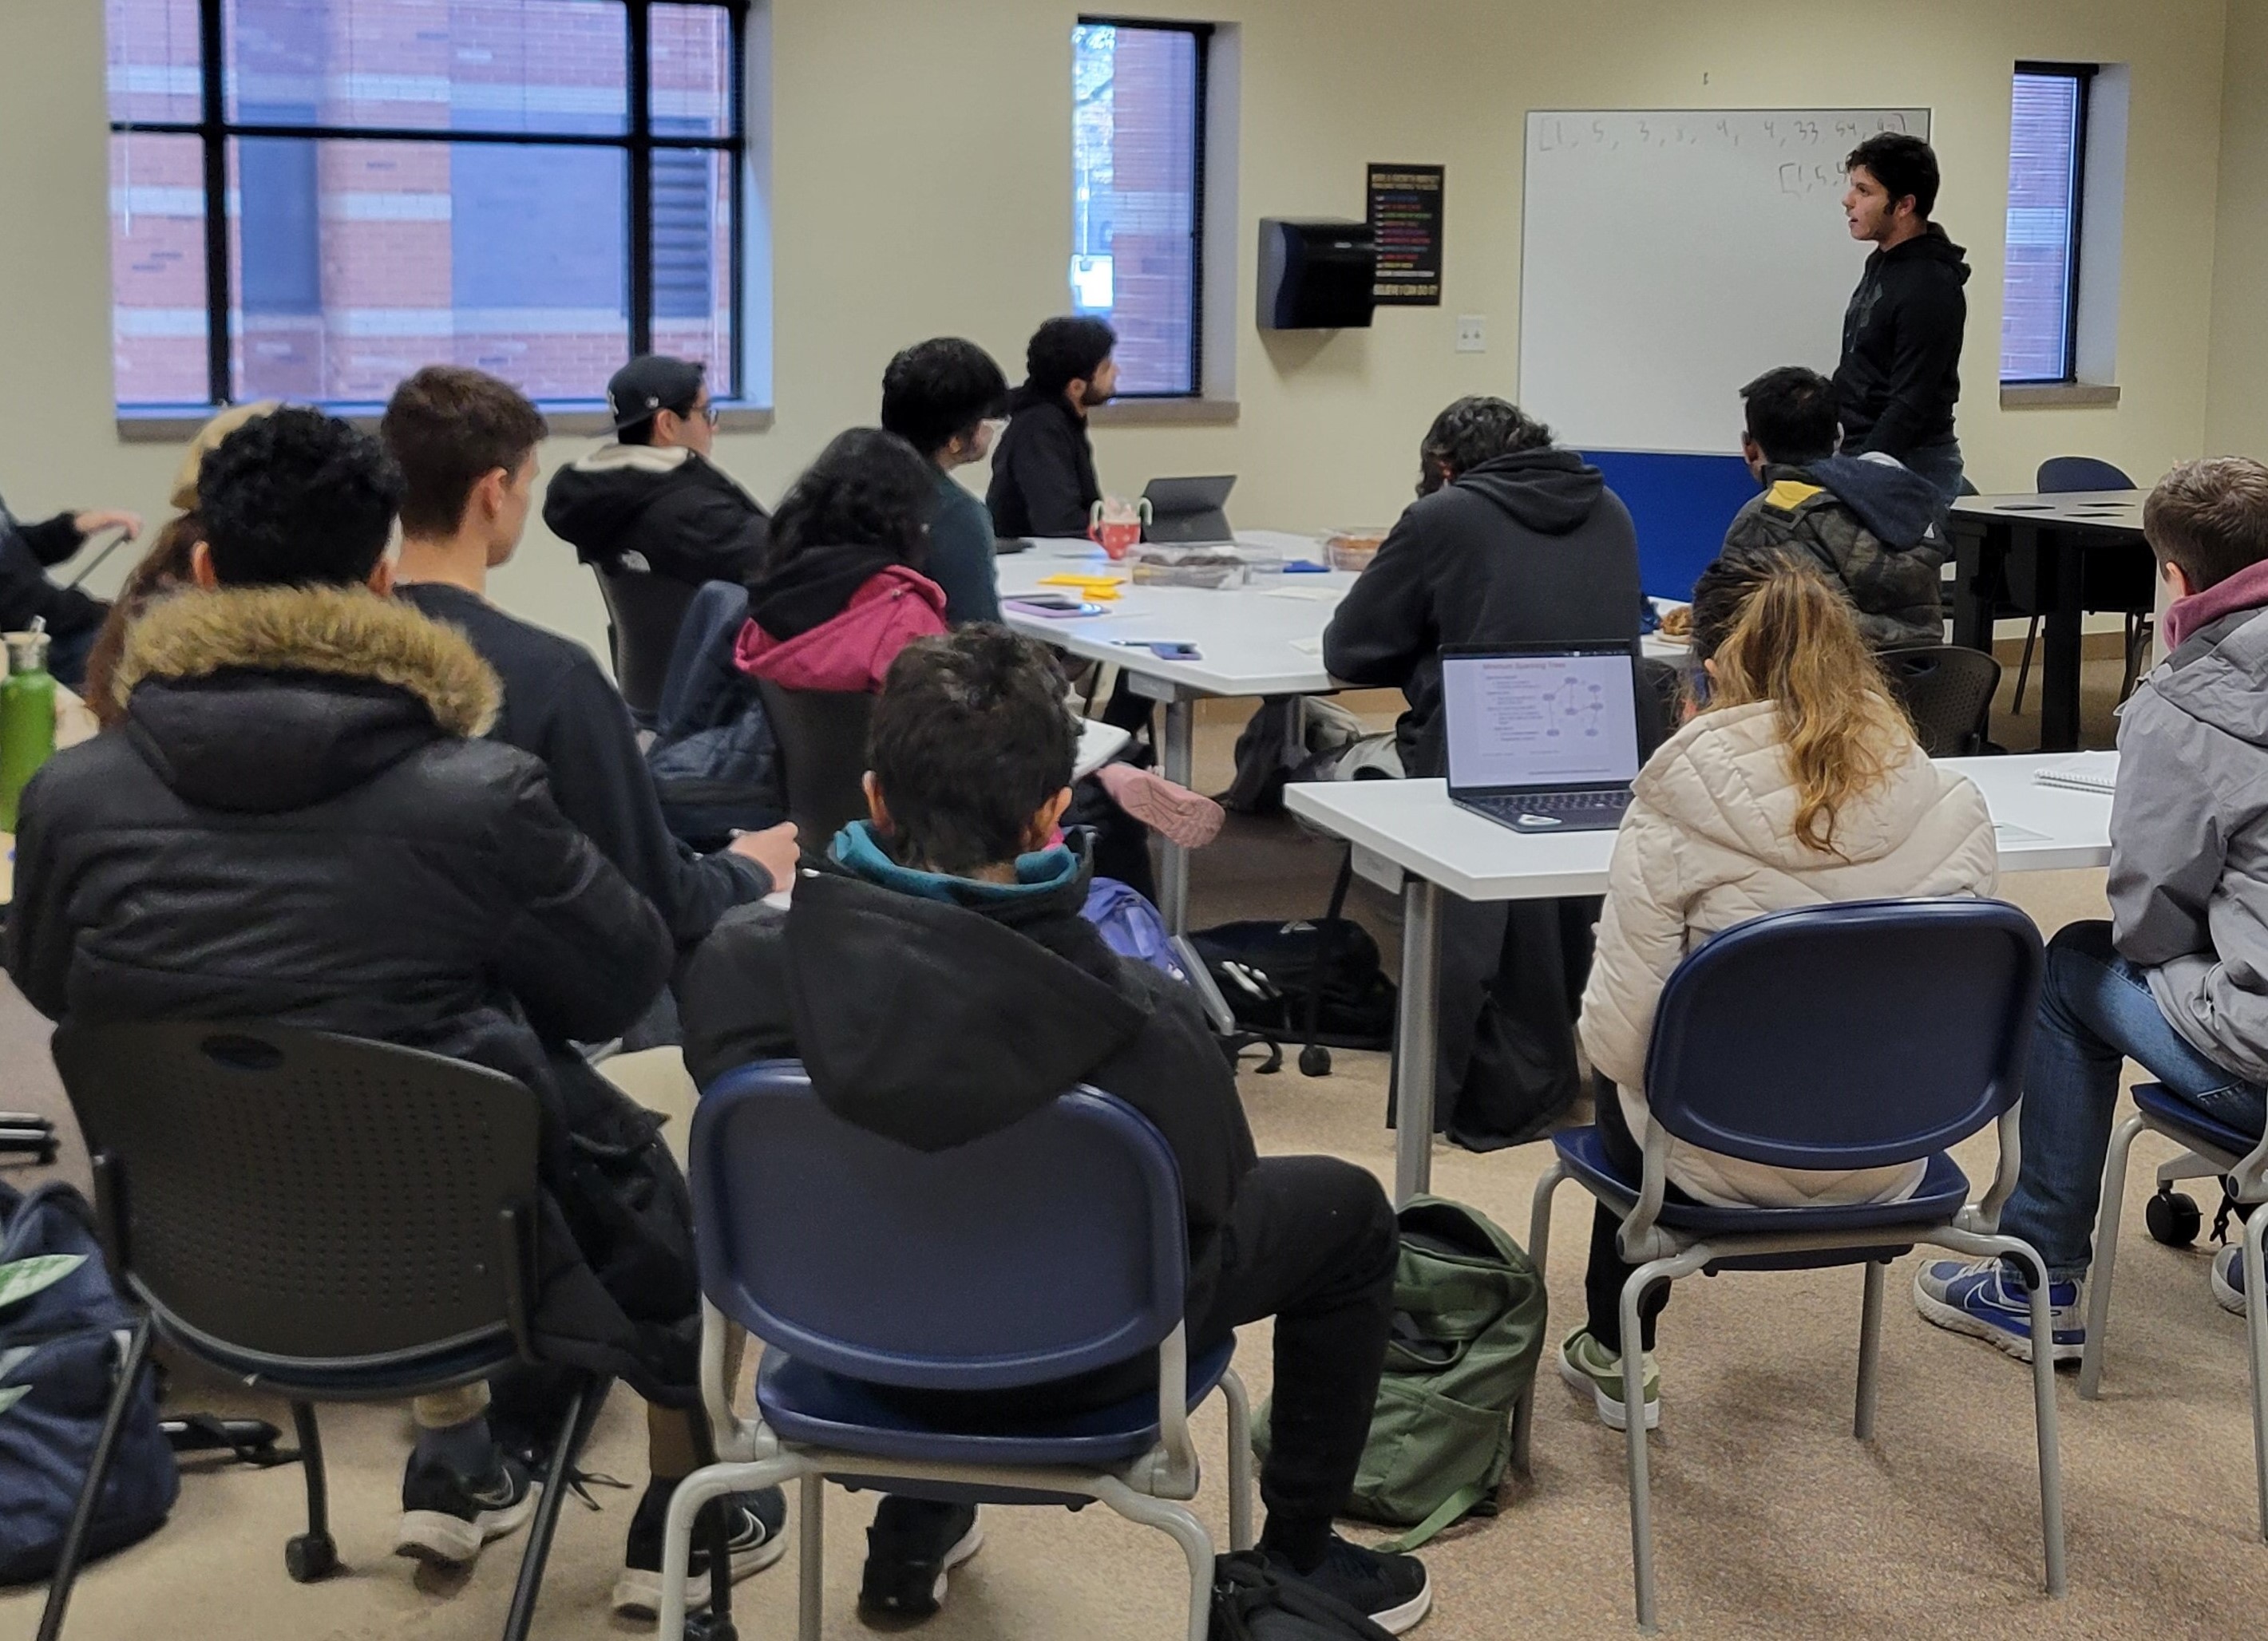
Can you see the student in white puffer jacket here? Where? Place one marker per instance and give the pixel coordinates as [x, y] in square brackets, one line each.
[1795, 782]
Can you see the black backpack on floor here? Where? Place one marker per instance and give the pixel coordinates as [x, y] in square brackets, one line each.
[1251, 1603]
[1268, 972]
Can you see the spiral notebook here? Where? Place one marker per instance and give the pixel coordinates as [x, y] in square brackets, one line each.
[2085, 772]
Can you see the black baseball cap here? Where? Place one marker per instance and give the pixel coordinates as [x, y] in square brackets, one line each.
[651, 382]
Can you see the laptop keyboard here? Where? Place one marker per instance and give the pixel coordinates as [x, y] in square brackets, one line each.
[1504, 806]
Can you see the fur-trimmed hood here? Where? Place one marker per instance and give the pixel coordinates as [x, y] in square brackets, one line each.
[268, 699]
[340, 631]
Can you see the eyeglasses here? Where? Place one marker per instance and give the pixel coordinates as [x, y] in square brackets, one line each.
[708, 413]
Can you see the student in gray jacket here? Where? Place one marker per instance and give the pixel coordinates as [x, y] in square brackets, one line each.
[2173, 980]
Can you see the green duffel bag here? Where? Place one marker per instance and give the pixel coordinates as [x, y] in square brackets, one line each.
[1469, 1329]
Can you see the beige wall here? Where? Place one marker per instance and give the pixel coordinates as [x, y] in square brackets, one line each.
[2236, 413]
[922, 177]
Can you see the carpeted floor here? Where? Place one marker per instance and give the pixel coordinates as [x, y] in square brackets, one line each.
[1772, 1521]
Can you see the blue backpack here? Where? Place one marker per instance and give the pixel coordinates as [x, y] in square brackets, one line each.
[714, 762]
[1131, 927]
[62, 1333]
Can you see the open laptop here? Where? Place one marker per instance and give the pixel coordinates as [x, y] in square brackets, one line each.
[1190, 512]
[1543, 738]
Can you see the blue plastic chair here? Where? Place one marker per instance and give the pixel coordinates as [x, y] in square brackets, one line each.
[1050, 1248]
[1753, 1056]
[2213, 1148]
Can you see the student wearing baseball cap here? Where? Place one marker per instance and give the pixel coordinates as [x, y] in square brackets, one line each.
[651, 501]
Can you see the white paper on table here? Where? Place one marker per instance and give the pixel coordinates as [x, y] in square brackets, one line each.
[1098, 744]
[1285, 541]
[2007, 832]
[2085, 772]
[1308, 646]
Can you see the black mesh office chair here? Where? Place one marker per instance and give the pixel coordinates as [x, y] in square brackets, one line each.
[822, 747]
[1948, 692]
[331, 1219]
[2129, 588]
[644, 613]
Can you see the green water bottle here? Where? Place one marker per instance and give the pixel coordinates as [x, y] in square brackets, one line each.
[27, 719]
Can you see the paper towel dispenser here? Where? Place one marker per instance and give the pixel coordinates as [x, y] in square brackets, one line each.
[1316, 273]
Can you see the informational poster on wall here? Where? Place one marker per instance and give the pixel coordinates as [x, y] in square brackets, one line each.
[1405, 217]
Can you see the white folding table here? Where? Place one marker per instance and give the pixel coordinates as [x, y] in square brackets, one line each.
[1408, 837]
[1263, 639]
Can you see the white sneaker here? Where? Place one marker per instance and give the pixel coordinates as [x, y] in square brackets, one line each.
[2228, 1279]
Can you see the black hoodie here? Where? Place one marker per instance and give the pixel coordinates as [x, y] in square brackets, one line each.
[1529, 547]
[1900, 372]
[672, 512]
[935, 1023]
[1043, 479]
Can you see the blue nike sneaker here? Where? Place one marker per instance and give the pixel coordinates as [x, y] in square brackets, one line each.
[1979, 1298]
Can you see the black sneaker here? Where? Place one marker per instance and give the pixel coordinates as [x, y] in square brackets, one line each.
[1392, 1591]
[913, 1544]
[445, 1517]
[754, 1523]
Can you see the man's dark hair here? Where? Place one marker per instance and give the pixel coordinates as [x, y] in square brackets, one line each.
[867, 489]
[297, 498]
[1903, 165]
[970, 737]
[935, 391]
[1792, 414]
[2211, 518]
[1470, 431]
[449, 427]
[1066, 350]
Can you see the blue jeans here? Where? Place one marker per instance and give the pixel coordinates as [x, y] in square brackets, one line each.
[1940, 465]
[2096, 1012]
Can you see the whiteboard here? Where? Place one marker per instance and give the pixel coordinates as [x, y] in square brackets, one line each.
[1667, 258]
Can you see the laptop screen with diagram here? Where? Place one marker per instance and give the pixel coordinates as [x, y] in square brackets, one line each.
[1536, 720]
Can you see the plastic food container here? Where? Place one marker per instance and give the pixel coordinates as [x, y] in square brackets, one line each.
[1353, 549]
[1212, 567]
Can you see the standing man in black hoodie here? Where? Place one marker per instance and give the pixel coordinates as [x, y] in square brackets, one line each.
[938, 981]
[1511, 541]
[1900, 377]
[1043, 480]
[652, 502]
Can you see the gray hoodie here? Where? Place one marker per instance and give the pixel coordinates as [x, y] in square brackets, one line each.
[2189, 840]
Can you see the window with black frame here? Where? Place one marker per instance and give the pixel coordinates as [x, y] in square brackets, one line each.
[312, 198]
[2047, 185]
[1138, 195]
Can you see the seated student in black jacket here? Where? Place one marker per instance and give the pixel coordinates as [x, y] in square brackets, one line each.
[1866, 521]
[466, 443]
[1511, 541]
[653, 501]
[949, 908]
[27, 552]
[1044, 481]
[299, 820]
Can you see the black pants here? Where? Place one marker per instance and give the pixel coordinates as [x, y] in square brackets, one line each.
[1511, 985]
[1312, 1242]
[1602, 1283]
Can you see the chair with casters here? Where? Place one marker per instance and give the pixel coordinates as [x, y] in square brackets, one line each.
[1948, 692]
[1046, 1249]
[1731, 1067]
[2103, 586]
[2212, 1148]
[821, 736]
[330, 1220]
[644, 612]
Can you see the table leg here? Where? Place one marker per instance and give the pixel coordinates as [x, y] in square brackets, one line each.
[2059, 657]
[1180, 757]
[1972, 607]
[1416, 1039]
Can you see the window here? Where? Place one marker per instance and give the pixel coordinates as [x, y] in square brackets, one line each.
[1138, 195]
[2047, 166]
[312, 198]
